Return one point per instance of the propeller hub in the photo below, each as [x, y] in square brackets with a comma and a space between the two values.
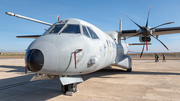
[145, 31]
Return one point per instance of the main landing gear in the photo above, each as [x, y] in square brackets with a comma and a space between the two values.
[129, 70]
[69, 89]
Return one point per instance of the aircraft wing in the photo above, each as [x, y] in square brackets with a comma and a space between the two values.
[29, 36]
[163, 31]
[157, 31]
[128, 33]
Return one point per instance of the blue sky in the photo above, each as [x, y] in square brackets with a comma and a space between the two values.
[105, 14]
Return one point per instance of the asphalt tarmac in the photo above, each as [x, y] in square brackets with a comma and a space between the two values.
[148, 81]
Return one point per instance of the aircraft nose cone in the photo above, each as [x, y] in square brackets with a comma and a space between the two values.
[34, 60]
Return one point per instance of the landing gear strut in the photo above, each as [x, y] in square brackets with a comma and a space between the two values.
[69, 88]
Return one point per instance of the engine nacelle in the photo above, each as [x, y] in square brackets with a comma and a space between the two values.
[143, 39]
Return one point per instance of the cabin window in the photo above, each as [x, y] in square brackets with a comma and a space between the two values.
[85, 32]
[93, 34]
[55, 29]
[75, 29]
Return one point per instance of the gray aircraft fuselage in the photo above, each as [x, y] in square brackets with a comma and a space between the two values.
[75, 47]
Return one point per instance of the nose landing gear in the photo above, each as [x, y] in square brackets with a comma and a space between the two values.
[69, 89]
[69, 84]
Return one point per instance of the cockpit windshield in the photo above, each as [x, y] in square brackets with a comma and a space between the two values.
[55, 29]
[63, 28]
[75, 29]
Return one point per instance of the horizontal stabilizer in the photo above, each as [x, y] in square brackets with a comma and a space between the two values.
[139, 43]
[29, 36]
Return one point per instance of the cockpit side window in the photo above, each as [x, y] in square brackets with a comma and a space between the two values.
[93, 34]
[55, 29]
[85, 32]
[75, 29]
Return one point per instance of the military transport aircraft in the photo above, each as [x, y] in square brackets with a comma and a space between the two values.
[73, 47]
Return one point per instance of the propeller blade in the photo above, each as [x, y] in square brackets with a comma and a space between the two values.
[148, 17]
[134, 22]
[160, 42]
[58, 17]
[142, 50]
[161, 25]
[146, 46]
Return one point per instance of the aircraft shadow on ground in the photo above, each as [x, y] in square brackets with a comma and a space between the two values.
[110, 71]
[47, 89]
[15, 68]
[14, 88]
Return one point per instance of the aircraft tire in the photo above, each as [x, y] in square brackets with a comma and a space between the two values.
[64, 88]
[70, 87]
[129, 70]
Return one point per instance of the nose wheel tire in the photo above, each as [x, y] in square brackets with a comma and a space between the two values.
[129, 70]
[64, 88]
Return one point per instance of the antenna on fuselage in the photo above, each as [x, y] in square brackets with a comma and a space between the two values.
[120, 25]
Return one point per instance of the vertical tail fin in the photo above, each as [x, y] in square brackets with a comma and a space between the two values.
[120, 25]
[120, 30]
